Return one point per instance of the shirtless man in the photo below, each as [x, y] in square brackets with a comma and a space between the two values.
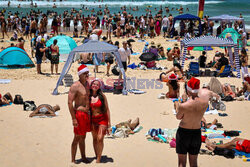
[79, 94]
[33, 27]
[188, 136]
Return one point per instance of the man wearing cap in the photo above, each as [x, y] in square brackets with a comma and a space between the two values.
[188, 136]
[79, 95]
[40, 49]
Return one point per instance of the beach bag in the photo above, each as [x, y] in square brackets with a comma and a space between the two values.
[219, 105]
[18, 99]
[115, 70]
[228, 98]
[150, 64]
[29, 106]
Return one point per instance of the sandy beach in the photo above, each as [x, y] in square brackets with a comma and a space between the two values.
[39, 142]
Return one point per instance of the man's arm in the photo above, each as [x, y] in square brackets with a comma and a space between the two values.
[71, 98]
[179, 110]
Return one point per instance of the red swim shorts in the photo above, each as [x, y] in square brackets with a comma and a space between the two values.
[84, 124]
[101, 119]
[243, 145]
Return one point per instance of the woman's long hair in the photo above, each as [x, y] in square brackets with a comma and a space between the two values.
[100, 96]
[174, 84]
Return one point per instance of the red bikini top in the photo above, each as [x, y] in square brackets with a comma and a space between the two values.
[96, 104]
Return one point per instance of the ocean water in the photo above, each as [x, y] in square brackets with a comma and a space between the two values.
[212, 7]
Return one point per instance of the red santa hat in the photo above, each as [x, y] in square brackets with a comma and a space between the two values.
[172, 77]
[193, 85]
[82, 69]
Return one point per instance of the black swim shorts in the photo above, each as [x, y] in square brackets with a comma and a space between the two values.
[7, 96]
[188, 141]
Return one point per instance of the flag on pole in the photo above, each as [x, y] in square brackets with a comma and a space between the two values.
[201, 8]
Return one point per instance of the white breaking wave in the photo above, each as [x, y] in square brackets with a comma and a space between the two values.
[78, 4]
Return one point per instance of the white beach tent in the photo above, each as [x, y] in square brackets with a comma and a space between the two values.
[227, 19]
[92, 46]
[213, 42]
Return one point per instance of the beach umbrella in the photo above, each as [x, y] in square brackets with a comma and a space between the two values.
[131, 40]
[148, 56]
[230, 34]
[65, 43]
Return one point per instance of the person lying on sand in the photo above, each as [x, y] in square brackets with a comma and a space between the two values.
[45, 110]
[6, 99]
[237, 143]
[127, 124]
[227, 90]
[213, 125]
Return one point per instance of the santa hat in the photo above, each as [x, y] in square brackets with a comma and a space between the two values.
[0, 96]
[82, 69]
[193, 85]
[172, 77]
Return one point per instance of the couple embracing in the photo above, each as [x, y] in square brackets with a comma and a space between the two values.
[90, 113]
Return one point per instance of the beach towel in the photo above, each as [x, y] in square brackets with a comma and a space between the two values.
[45, 116]
[172, 40]
[136, 91]
[213, 112]
[240, 153]
[135, 53]
[132, 66]
[6, 104]
[5, 81]
[141, 40]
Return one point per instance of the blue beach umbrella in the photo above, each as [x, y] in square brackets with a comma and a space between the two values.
[65, 43]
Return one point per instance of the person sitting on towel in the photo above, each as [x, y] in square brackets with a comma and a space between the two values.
[245, 90]
[45, 110]
[237, 143]
[6, 99]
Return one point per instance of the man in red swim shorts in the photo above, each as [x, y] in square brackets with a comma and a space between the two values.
[79, 94]
[237, 143]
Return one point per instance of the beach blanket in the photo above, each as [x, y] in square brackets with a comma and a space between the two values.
[135, 53]
[132, 66]
[6, 104]
[141, 40]
[240, 153]
[136, 91]
[172, 40]
[214, 112]
[45, 116]
[5, 81]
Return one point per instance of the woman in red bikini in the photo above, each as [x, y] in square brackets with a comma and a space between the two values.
[100, 117]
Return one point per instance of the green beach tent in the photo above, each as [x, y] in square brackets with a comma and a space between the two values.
[233, 34]
[65, 43]
[14, 57]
